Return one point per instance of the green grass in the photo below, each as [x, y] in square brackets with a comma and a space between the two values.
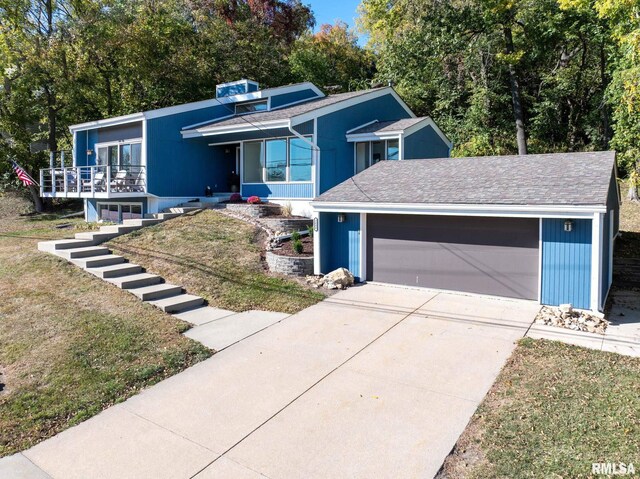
[70, 344]
[554, 410]
[216, 257]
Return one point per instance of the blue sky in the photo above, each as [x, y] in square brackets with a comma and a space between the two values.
[328, 11]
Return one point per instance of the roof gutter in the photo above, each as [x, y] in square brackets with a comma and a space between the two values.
[525, 211]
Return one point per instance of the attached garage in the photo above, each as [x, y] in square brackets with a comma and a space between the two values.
[496, 256]
[540, 227]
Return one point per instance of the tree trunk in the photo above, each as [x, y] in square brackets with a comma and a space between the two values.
[38, 203]
[521, 136]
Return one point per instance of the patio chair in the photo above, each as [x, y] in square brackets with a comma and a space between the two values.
[119, 182]
[98, 182]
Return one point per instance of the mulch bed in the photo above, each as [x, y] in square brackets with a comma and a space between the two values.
[287, 248]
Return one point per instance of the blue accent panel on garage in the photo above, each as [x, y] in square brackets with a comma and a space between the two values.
[604, 258]
[275, 190]
[92, 206]
[280, 100]
[336, 155]
[425, 143]
[177, 167]
[566, 263]
[340, 245]
[305, 128]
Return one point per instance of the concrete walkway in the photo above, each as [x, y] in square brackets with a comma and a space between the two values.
[376, 381]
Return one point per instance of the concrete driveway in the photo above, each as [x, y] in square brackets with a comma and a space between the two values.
[376, 381]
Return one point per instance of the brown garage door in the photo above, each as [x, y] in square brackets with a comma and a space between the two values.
[497, 256]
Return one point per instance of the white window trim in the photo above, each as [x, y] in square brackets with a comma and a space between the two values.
[264, 168]
[370, 159]
[143, 150]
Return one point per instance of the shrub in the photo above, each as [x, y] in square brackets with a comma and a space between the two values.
[286, 209]
[254, 200]
[295, 236]
[235, 198]
[297, 246]
[310, 231]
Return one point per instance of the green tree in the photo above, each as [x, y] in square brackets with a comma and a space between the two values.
[331, 58]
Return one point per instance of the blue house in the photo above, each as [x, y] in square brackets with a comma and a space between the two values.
[537, 227]
[286, 145]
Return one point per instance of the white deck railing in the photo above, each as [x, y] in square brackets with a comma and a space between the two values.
[85, 181]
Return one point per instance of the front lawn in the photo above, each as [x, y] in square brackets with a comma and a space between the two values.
[216, 257]
[70, 344]
[554, 410]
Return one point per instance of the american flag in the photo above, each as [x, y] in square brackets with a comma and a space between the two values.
[23, 175]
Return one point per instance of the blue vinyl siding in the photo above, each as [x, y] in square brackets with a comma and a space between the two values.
[340, 245]
[336, 154]
[92, 206]
[279, 100]
[566, 263]
[305, 128]
[178, 167]
[425, 143]
[80, 148]
[276, 190]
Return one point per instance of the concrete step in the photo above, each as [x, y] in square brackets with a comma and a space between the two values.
[116, 270]
[135, 280]
[156, 291]
[180, 209]
[96, 236]
[90, 251]
[165, 216]
[120, 229]
[98, 261]
[141, 222]
[56, 245]
[178, 303]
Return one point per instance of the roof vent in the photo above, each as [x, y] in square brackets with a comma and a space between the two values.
[236, 88]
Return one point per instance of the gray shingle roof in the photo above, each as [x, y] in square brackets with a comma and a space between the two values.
[548, 179]
[289, 112]
[382, 126]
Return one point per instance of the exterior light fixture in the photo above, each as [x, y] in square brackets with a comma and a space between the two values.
[315, 224]
[89, 152]
[341, 217]
[568, 226]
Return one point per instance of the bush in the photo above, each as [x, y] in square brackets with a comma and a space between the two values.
[297, 246]
[254, 200]
[310, 231]
[295, 236]
[235, 198]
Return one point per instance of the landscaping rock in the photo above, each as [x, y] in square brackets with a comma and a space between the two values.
[340, 278]
[565, 316]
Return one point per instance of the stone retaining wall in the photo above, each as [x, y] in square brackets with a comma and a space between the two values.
[253, 211]
[287, 225]
[291, 265]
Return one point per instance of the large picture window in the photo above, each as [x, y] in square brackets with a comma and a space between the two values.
[276, 161]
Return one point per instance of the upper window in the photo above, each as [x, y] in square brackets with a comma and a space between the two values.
[251, 106]
[277, 160]
[120, 156]
[371, 152]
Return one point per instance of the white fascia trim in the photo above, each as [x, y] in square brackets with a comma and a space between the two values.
[240, 128]
[521, 211]
[362, 126]
[172, 110]
[366, 96]
[118, 120]
[387, 135]
[428, 121]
